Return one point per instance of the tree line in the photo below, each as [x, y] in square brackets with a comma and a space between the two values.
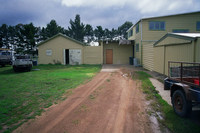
[23, 38]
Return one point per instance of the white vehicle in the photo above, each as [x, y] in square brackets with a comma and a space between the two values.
[5, 57]
[22, 62]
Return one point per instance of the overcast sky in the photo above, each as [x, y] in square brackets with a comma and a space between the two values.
[107, 13]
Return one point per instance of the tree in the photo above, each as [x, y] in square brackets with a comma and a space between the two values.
[30, 34]
[77, 29]
[89, 32]
[99, 32]
[123, 28]
[4, 36]
[19, 39]
[52, 29]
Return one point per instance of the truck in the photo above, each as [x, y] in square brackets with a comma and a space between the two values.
[5, 57]
[183, 81]
[22, 63]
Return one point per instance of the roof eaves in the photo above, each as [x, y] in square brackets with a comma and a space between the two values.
[171, 15]
[133, 25]
[60, 34]
[176, 36]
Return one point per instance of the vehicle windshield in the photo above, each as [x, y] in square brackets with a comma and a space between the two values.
[22, 57]
[5, 53]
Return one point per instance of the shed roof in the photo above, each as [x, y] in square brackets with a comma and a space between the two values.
[184, 36]
[60, 34]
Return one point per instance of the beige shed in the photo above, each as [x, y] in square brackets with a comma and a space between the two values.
[61, 49]
[176, 47]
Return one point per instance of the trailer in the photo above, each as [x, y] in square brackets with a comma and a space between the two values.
[183, 81]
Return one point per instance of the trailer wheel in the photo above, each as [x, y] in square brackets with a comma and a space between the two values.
[181, 106]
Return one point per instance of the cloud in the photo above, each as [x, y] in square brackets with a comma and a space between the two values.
[107, 13]
[143, 6]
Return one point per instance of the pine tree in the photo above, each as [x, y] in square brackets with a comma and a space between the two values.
[77, 29]
[89, 33]
[123, 28]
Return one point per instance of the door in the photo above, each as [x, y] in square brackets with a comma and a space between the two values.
[109, 56]
[75, 56]
[66, 56]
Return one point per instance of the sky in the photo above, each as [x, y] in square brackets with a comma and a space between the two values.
[106, 13]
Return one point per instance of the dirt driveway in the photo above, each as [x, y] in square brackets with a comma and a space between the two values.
[110, 103]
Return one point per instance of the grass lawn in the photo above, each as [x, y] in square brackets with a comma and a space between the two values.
[175, 123]
[24, 95]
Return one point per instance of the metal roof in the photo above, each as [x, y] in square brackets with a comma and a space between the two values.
[185, 36]
[193, 35]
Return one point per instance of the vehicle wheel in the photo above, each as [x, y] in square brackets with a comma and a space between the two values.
[181, 106]
[15, 69]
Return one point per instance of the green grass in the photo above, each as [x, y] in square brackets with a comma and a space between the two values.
[175, 123]
[24, 95]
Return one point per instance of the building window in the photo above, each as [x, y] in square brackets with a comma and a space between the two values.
[130, 33]
[137, 47]
[156, 25]
[198, 25]
[180, 30]
[49, 52]
[137, 28]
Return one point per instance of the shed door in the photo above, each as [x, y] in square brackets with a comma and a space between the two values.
[74, 56]
[109, 56]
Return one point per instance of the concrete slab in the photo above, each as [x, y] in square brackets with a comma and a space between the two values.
[165, 94]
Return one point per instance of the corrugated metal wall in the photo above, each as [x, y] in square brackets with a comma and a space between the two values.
[176, 52]
[148, 56]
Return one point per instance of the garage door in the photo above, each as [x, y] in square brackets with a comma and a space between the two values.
[109, 56]
[148, 56]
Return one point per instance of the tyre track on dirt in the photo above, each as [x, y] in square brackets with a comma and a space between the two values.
[116, 106]
[56, 115]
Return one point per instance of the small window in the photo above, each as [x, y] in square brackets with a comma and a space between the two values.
[156, 25]
[137, 47]
[49, 52]
[137, 28]
[198, 25]
[180, 31]
[130, 33]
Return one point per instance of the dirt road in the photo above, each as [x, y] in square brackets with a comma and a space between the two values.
[110, 103]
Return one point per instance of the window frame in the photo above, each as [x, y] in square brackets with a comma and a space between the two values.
[181, 29]
[161, 25]
[198, 27]
[137, 28]
[137, 47]
[130, 33]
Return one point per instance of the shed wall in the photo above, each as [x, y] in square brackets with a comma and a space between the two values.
[175, 52]
[121, 53]
[93, 55]
[57, 46]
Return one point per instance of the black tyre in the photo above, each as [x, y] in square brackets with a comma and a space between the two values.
[181, 106]
[29, 69]
[15, 69]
